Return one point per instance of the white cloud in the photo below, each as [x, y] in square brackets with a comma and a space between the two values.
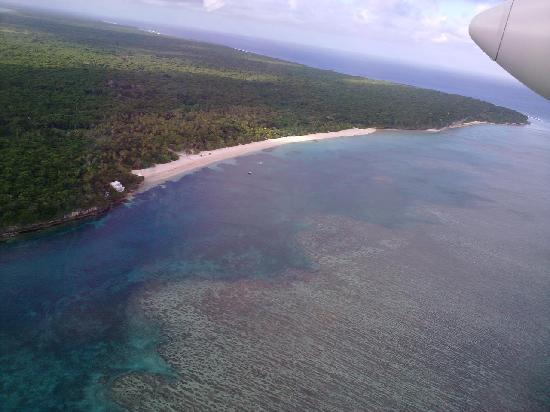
[406, 19]
[442, 38]
[482, 7]
[435, 21]
[211, 5]
[363, 16]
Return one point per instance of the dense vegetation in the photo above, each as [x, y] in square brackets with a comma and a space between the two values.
[82, 104]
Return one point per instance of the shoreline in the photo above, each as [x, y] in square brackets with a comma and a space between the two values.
[73, 217]
[458, 126]
[161, 173]
[187, 163]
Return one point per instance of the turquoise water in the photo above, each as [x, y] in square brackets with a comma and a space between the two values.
[69, 324]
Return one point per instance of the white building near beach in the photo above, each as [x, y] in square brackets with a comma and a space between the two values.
[117, 186]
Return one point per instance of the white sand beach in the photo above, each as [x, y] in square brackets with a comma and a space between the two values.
[458, 126]
[187, 163]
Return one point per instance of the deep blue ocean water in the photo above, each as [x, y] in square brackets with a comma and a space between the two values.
[68, 324]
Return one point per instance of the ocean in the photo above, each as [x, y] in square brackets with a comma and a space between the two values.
[404, 270]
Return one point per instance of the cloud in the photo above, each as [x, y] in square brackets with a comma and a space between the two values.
[482, 7]
[409, 19]
[211, 5]
[435, 21]
[363, 16]
[442, 38]
[418, 19]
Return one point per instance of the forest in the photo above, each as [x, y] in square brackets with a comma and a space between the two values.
[83, 103]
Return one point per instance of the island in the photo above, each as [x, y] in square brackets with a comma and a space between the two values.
[83, 104]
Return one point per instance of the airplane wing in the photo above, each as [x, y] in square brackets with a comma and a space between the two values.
[516, 34]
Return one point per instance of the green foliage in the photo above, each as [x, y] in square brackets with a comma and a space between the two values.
[82, 104]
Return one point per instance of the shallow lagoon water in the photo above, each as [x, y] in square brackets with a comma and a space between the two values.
[70, 324]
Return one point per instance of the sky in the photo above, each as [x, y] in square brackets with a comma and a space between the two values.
[421, 32]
